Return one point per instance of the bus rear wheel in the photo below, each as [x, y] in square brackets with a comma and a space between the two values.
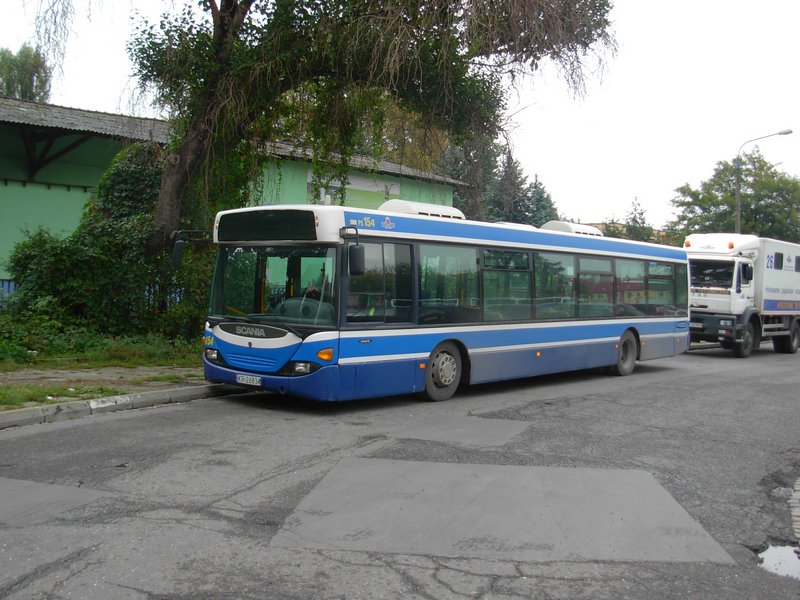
[443, 372]
[627, 350]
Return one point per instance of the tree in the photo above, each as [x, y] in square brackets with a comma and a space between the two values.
[320, 74]
[475, 163]
[24, 75]
[239, 72]
[636, 226]
[495, 187]
[517, 201]
[408, 141]
[769, 201]
[543, 209]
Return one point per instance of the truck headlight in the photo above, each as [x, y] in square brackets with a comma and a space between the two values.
[725, 323]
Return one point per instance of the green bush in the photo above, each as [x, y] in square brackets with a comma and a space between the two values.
[11, 351]
[98, 282]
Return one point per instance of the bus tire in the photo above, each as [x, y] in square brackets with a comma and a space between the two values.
[627, 351]
[443, 372]
[744, 348]
[788, 344]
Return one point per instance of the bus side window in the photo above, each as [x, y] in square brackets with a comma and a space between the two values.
[448, 284]
[554, 276]
[595, 287]
[383, 292]
[397, 268]
[660, 289]
[630, 293]
[365, 294]
[682, 288]
[506, 286]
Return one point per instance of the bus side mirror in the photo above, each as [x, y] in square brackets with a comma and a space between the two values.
[177, 253]
[356, 259]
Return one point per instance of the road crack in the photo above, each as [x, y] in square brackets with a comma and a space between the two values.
[44, 570]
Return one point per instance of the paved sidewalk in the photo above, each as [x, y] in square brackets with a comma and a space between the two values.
[138, 387]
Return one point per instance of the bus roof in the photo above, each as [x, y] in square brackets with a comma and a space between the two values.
[397, 205]
[578, 228]
[412, 226]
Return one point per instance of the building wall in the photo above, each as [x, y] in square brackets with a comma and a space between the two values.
[28, 207]
[61, 190]
[290, 182]
[58, 201]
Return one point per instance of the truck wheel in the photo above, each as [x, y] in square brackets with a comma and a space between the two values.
[788, 344]
[744, 348]
[443, 373]
[627, 349]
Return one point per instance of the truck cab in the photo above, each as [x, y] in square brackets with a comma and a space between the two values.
[721, 294]
[742, 291]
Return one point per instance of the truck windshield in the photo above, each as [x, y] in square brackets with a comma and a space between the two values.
[712, 273]
[285, 285]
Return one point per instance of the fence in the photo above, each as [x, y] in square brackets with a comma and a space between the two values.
[7, 287]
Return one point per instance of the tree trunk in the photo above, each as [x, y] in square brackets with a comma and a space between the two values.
[180, 167]
[182, 164]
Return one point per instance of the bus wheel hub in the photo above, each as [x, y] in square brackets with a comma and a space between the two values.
[444, 372]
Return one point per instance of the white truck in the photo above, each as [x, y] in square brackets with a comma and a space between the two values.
[744, 289]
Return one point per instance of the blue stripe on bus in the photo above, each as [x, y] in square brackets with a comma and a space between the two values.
[418, 342]
[478, 232]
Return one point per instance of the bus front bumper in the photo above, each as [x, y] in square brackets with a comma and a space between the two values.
[322, 384]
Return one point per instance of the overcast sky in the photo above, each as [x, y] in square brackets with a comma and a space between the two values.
[691, 82]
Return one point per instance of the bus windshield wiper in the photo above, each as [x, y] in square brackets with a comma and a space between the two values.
[217, 319]
[261, 318]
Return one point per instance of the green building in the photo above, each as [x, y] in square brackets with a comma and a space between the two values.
[52, 157]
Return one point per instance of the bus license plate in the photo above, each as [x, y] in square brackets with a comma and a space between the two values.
[248, 379]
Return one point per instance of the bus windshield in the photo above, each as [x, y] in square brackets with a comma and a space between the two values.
[711, 273]
[281, 284]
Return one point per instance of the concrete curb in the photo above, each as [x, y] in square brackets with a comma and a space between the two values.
[66, 411]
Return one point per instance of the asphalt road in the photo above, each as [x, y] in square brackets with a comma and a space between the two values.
[664, 484]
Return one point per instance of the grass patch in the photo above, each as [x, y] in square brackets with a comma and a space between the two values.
[132, 352]
[139, 351]
[15, 396]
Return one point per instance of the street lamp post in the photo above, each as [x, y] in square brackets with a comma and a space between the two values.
[739, 175]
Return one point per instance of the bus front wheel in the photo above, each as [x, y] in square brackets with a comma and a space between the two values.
[627, 349]
[443, 372]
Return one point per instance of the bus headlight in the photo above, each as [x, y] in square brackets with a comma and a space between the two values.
[212, 354]
[301, 368]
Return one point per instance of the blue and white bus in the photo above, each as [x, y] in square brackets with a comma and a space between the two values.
[338, 303]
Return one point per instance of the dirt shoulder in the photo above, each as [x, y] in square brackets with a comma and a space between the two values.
[123, 379]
